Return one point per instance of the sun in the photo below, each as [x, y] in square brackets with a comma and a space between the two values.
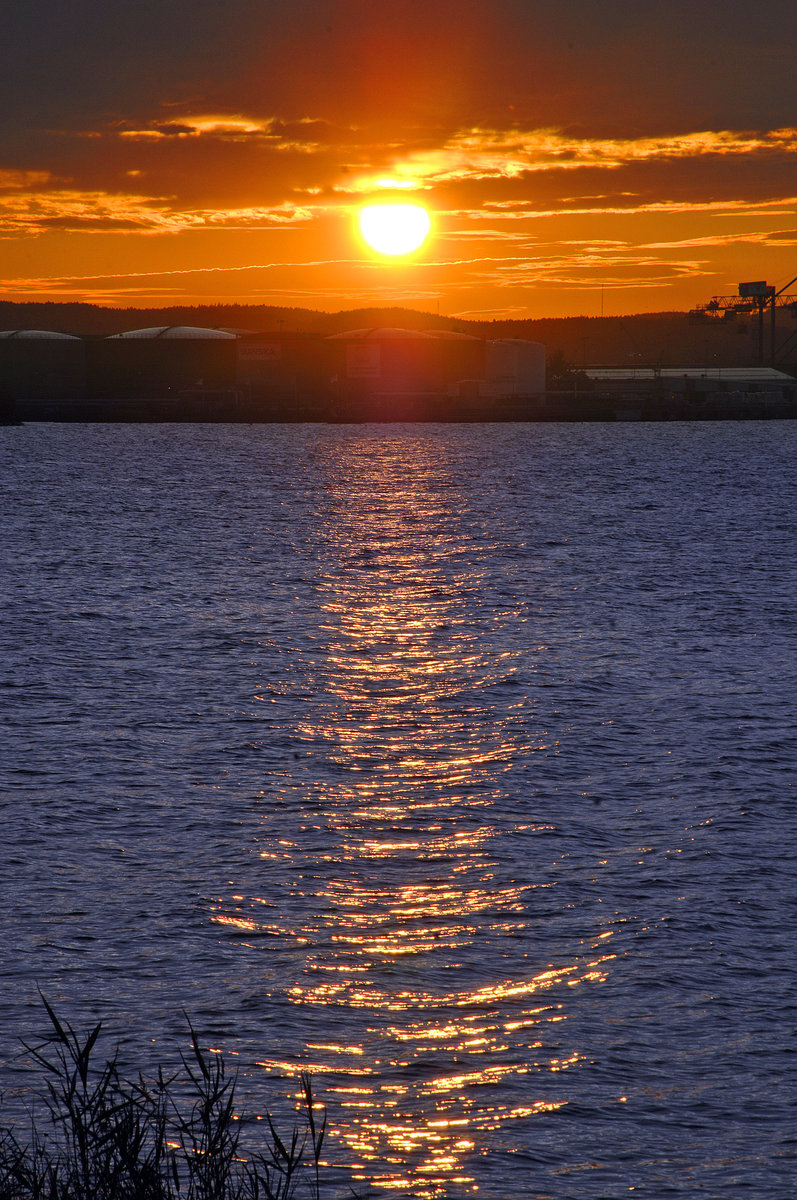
[394, 228]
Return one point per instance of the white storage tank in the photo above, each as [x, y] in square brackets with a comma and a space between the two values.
[180, 333]
[41, 364]
[514, 367]
[160, 362]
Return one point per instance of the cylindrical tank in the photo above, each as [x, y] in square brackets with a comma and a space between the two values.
[515, 367]
[161, 362]
[40, 364]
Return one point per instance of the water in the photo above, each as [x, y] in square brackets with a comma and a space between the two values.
[455, 763]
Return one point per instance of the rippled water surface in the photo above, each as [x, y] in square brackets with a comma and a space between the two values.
[455, 763]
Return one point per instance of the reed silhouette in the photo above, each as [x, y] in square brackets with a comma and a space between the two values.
[97, 1135]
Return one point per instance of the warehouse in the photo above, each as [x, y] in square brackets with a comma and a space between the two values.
[645, 381]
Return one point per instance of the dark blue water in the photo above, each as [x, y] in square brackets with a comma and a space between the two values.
[455, 763]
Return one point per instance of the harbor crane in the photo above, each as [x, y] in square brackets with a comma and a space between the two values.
[755, 297]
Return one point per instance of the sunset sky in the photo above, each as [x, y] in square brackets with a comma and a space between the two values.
[575, 156]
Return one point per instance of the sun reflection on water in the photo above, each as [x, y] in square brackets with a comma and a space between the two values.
[399, 929]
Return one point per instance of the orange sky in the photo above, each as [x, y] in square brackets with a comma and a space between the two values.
[576, 157]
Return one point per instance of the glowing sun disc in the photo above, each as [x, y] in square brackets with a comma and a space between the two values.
[394, 228]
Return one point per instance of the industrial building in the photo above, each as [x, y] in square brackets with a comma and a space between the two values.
[401, 374]
[695, 392]
[282, 364]
[644, 381]
[187, 373]
[403, 361]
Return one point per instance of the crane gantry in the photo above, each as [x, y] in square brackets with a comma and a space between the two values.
[755, 297]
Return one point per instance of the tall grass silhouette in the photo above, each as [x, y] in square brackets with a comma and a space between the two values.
[97, 1135]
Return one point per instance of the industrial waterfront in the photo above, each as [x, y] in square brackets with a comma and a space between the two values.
[375, 374]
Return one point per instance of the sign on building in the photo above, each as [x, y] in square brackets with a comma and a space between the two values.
[259, 352]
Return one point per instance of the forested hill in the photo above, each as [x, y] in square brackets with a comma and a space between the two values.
[665, 339]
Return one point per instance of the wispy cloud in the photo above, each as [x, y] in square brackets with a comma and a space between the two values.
[783, 237]
[168, 273]
[306, 135]
[626, 205]
[480, 154]
[28, 212]
[219, 126]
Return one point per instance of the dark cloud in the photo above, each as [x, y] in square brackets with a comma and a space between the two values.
[617, 65]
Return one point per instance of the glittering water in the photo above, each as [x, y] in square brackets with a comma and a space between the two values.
[455, 763]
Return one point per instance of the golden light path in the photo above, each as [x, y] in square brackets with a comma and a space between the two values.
[394, 229]
[432, 1027]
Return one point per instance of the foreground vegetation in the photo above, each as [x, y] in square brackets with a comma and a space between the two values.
[96, 1135]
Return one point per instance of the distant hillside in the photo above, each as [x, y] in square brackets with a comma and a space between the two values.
[664, 339]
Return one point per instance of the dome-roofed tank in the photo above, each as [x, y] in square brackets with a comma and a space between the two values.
[379, 334]
[452, 335]
[41, 364]
[161, 362]
[37, 335]
[176, 333]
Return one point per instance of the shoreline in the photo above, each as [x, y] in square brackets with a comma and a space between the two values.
[232, 407]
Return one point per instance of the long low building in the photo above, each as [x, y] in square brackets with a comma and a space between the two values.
[645, 381]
